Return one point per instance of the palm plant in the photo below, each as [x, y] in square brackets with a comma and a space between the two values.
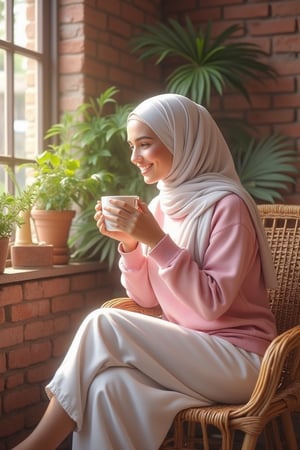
[266, 167]
[207, 64]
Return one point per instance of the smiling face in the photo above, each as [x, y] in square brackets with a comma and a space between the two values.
[148, 153]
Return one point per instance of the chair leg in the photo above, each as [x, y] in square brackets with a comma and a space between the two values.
[288, 431]
[249, 442]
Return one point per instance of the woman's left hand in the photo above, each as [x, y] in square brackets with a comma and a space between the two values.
[133, 224]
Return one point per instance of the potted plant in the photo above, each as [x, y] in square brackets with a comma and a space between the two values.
[59, 189]
[200, 66]
[96, 133]
[10, 208]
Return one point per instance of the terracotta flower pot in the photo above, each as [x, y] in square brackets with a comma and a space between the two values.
[53, 227]
[3, 253]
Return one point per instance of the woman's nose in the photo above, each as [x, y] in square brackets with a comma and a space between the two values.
[135, 156]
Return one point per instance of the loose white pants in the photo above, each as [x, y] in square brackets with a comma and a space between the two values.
[126, 375]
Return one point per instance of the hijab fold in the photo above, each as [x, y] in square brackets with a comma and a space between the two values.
[202, 173]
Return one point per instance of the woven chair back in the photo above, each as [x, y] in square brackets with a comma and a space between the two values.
[282, 226]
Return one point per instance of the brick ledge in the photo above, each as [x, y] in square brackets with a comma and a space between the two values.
[11, 275]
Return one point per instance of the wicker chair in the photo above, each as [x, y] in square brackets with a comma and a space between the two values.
[277, 392]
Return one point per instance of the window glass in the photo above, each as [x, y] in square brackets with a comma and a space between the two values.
[2, 21]
[2, 84]
[25, 58]
[24, 23]
[25, 107]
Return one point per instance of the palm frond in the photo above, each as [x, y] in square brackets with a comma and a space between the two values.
[266, 167]
[217, 63]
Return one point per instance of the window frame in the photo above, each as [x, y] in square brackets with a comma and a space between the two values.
[46, 56]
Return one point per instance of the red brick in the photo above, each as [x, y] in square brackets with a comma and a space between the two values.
[90, 48]
[179, 5]
[34, 414]
[38, 329]
[132, 12]
[71, 31]
[111, 6]
[119, 27]
[204, 15]
[70, 103]
[71, 83]
[286, 44]
[26, 356]
[71, 63]
[2, 315]
[72, 46]
[107, 54]
[96, 17]
[280, 85]
[71, 13]
[14, 380]
[46, 288]
[285, 8]
[83, 282]
[92, 65]
[10, 424]
[10, 294]
[28, 310]
[286, 66]
[237, 102]
[61, 345]
[61, 324]
[11, 336]
[67, 302]
[20, 398]
[41, 373]
[291, 129]
[286, 100]
[214, 3]
[2, 362]
[246, 11]
[272, 27]
[274, 116]
[19, 358]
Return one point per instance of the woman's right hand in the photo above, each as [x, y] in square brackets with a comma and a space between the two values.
[128, 242]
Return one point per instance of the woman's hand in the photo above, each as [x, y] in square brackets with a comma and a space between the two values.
[133, 224]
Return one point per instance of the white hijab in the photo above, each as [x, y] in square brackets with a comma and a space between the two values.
[202, 173]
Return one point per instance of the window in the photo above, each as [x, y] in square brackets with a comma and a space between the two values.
[27, 82]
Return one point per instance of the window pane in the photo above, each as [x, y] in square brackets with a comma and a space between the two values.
[24, 23]
[25, 107]
[2, 20]
[2, 180]
[2, 84]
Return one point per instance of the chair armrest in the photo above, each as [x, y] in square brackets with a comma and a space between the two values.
[284, 350]
[130, 305]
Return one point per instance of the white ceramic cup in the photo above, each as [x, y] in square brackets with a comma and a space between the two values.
[105, 200]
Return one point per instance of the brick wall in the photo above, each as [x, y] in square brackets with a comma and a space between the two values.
[274, 26]
[94, 50]
[95, 53]
[38, 318]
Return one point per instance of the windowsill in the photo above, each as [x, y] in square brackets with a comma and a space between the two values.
[11, 275]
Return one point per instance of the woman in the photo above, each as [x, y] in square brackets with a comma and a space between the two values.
[199, 251]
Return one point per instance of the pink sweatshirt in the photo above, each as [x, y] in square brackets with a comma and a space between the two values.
[225, 297]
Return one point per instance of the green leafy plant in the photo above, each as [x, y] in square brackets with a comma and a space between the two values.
[203, 66]
[57, 182]
[207, 64]
[95, 133]
[10, 208]
[266, 167]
